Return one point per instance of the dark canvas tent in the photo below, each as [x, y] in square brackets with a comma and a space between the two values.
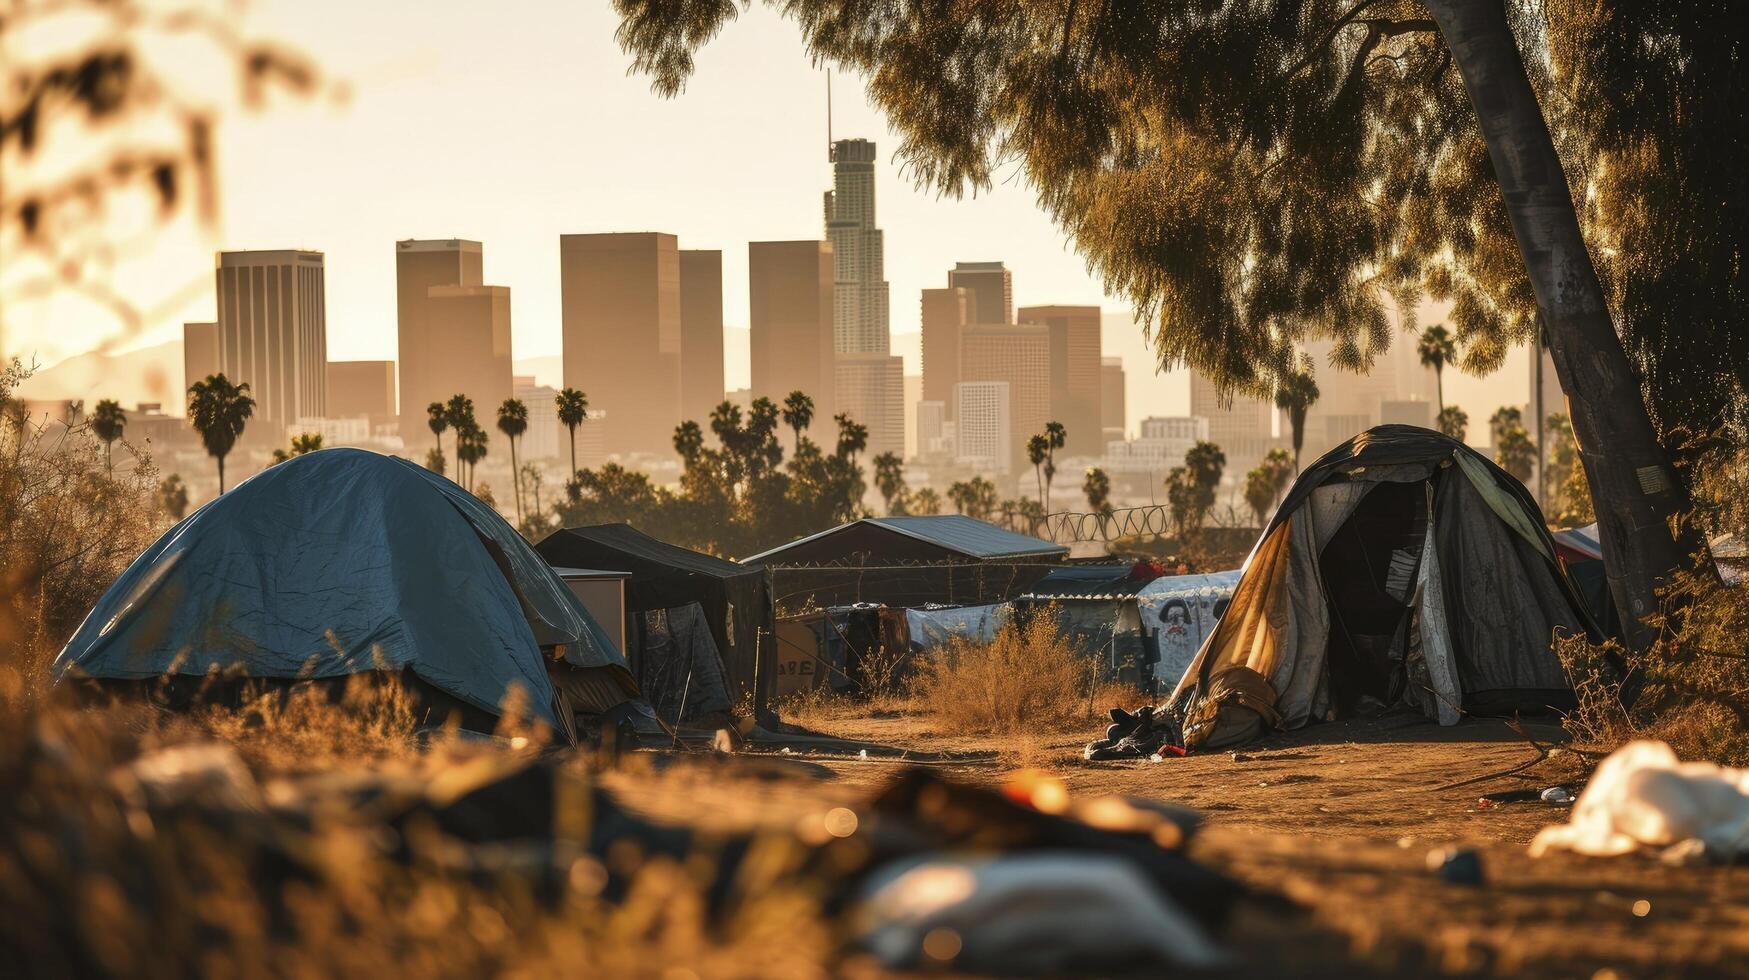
[337, 563]
[1402, 567]
[733, 597]
[948, 559]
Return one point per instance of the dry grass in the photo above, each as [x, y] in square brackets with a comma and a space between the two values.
[1027, 680]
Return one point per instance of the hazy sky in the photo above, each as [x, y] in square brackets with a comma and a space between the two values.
[515, 121]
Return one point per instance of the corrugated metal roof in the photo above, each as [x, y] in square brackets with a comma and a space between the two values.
[954, 532]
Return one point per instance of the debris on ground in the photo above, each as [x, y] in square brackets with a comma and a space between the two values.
[1642, 796]
[1138, 735]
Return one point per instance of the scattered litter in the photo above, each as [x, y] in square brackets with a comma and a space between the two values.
[862, 754]
[1458, 865]
[1642, 796]
[1034, 913]
[1147, 733]
[1241, 757]
[1559, 796]
[1553, 795]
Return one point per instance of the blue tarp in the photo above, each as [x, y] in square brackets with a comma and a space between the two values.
[339, 562]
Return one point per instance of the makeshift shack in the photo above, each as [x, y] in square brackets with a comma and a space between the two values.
[1401, 568]
[852, 649]
[337, 563]
[734, 615]
[1181, 611]
[1096, 614]
[946, 559]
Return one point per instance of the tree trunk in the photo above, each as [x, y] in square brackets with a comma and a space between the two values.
[516, 480]
[1439, 385]
[221, 460]
[1638, 498]
[573, 450]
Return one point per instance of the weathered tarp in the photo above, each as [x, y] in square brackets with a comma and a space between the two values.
[339, 562]
[930, 628]
[1180, 611]
[679, 669]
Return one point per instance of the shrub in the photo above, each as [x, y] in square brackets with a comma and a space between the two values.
[1027, 679]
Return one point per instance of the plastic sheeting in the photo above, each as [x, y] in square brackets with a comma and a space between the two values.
[930, 628]
[339, 562]
[1642, 797]
[1180, 611]
[678, 667]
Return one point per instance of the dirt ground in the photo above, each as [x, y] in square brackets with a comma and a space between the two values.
[1340, 820]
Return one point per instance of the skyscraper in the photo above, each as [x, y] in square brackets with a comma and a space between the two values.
[364, 388]
[1075, 373]
[990, 290]
[273, 331]
[1112, 412]
[945, 314]
[870, 388]
[470, 326]
[859, 286]
[790, 311]
[420, 265]
[621, 301]
[701, 333]
[1019, 355]
[984, 434]
[1241, 425]
[200, 352]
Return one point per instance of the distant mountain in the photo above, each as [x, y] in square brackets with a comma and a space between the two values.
[150, 374]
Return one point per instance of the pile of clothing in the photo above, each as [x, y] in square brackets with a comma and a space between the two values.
[1151, 730]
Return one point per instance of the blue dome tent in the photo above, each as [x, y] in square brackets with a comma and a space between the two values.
[337, 563]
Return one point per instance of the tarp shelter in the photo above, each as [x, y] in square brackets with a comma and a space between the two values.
[1097, 615]
[1401, 567]
[947, 559]
[336, 563]
[845, 648]
[934, 627]
[732, 596]
[1180, 611]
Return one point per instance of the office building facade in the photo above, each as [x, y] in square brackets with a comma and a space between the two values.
[790, 313]
[200, 352]
[1112, 412]
[859, 287]
[870, 388]
[471, 325]
[989, 290]
[1076, 375]
[273, 331]
[701, 333]
[1020, 356]
[421, 264]
[944, 313]
[362, 389]
[984, 430]
[622, 342]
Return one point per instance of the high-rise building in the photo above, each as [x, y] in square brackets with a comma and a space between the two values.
[870, 388]
[1406, 412]
[1243, 426]
[1020, 356]
[471, 326]
[621, 314]
[420, 265]
[1350, 403]
[544, 438]
[362, 388]
[945, 313]
[1111, 398]
[273, 331]
[790, 313]
[984, 432]
[859, 287]
[1076, 377]
[701, 333]
[1163, 443]
[989, 289]
[933, 438]
[200, 352]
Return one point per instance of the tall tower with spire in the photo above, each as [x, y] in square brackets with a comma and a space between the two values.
[860, 324]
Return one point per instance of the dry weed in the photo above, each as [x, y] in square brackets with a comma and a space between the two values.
[1026, 680]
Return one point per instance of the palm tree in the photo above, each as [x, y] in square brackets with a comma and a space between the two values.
[889, 478]
[1437, 348]
[1504, 420]
[573, 408]
[1260, 491]
[437, 421]
[108, 422]
[926, 501]
[1453, 421]
[798, 413]
[1037, 449]
[470, 449]
[688, 442]
[513, 422]
[218, 410]
[459, 413]
[1097, 486]
[1516, 453]
[852, 436]
[1297, 393]
[303, 442]
[1057, 437]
